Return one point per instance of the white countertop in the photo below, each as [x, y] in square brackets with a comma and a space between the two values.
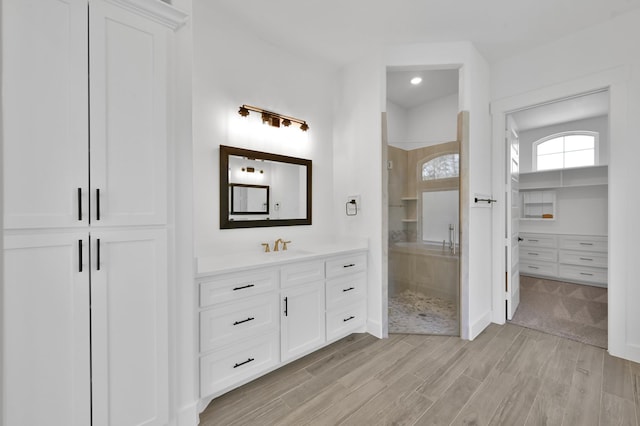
[240, 261]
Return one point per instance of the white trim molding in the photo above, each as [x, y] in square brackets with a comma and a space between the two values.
[155, 10]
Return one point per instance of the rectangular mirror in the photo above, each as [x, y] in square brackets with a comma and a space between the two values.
[260, 189]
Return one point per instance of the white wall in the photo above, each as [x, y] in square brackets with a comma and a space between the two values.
[428, 124]
[232, 67]
[599, 54]
[594, 124]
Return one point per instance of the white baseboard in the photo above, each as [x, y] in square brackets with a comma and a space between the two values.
[188, 416]
[478, 326]
[375, 328]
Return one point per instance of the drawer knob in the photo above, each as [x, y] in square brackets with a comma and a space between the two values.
[243, 287]
[348, 289]
[243, 321]
[349, 265]
[348, 319]
[244, 362]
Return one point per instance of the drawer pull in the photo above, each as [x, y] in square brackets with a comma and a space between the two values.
[533, 241]
[586, 244]
[243, 321]
[586, 273]
[586, 258]
[344, 290]
[533, 254]
[244, 286]
[244, 362]
[533, 267]
[349, 265]
[348, 319]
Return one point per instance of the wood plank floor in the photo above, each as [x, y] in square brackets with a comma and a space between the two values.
[508, 375]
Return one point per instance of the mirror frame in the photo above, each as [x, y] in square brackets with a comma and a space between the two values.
[232, 186]
[225, 223]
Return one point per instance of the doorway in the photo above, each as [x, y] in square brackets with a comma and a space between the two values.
[557, 219]
[423, 168]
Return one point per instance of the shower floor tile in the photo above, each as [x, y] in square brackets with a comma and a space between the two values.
[411, 312]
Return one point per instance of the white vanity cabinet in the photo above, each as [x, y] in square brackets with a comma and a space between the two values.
[253, 321]
[86, 115]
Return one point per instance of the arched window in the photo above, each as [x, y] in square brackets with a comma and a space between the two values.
[441, 167]
[566, 150]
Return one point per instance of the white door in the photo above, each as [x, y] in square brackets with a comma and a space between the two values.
[44, 49]
[128, 117]
[129, 322]
[302, 323]
[513, 219]
[46, 330]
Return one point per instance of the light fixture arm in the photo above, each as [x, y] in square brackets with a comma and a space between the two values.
[274, 119]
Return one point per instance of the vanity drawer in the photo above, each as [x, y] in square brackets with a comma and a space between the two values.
[538, 240]
[346, 290]
[238, 320]
[342, 321]
[346, 265]
[597, 260]
[584, 273]
[235, 286]
[227, 367]
[545, 269]
[581, 242]
[301, 273]
[543, 255]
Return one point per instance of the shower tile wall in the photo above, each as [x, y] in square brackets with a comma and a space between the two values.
[398, 230]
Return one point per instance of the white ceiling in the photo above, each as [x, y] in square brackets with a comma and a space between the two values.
[435, 84]
[339, 31]
[563, 111]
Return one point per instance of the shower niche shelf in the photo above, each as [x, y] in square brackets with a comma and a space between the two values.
[410, 209]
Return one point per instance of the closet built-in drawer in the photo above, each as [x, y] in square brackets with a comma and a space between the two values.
[226, 367]
[597, 260]
[538, 254]
[346, 265]
[581, 242]
[545, 269]
[235, 286]
[345, 290]
[301, 273]
[584, 273]
[226, 323]
[345, 320]
[538, 240]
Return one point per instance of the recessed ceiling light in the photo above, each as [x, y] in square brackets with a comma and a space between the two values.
[416, 80]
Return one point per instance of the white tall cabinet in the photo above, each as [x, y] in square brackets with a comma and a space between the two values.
[85, 211]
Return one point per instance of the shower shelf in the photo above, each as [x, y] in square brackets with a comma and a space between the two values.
[409, 198]
[410, 220]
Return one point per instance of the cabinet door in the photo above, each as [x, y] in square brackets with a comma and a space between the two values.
[303, 324]
[128, 64]
[129, 328]
[45, 108]
[46, 330]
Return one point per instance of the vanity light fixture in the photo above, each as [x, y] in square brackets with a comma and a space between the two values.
[272, 118]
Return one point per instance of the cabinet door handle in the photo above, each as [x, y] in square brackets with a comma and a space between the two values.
[534, 254]
[586, 258]
[349, 265]
[243, 287]
[533, 267]
[80, 205]
[586, 244]
[79, 255]
[587, 274]
[97, 204]
[348, 289]
[243, 321]
[286, 306]
[98, 254]
[238, 364]
[348, 319]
